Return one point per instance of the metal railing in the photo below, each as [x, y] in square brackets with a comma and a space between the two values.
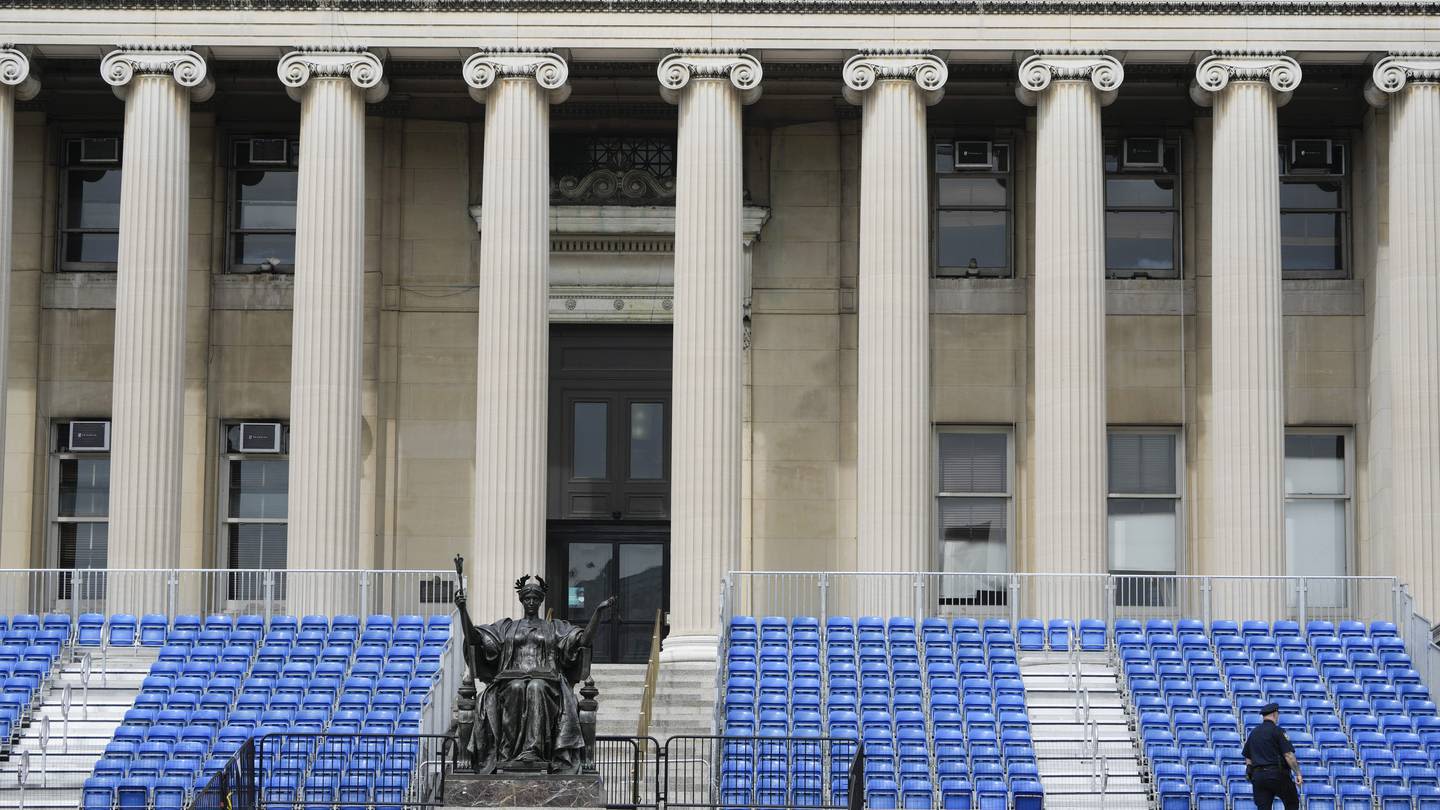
[234, 787]
[629, 769]
[366, 770]
[756, 772]
[652, 678]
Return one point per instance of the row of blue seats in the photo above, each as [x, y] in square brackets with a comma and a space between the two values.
[1175, 794]
[155, 630]
[1184, 626]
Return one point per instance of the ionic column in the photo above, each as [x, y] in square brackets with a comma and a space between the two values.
[1410, 83]
[893, 452]
[1246, 436]
[16, 83]
[332, 87]
[512, 371]
[708, 366]
[147, 415]
[1069, 448]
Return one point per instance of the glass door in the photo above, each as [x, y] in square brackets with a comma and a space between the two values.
[631, 570]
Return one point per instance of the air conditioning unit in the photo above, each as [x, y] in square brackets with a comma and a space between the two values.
[973, 155]
[1143, 153]
[259, 437]
[89, 437]
[1311, 154]
[269, 151]
[99, 150]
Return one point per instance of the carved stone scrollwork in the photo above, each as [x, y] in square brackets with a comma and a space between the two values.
[548, 69]
[1216, 71]
[927, 70]
[15, 72]
[359, 65]
[1039, 70]
[1394, 72]
[608, 185]
[678, 69]
[186, 66]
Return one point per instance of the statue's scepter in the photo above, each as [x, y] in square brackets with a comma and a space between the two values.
[463, 715]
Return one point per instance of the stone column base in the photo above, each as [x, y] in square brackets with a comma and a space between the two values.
[690, 649]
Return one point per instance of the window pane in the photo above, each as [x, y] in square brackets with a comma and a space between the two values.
[259, 488]
[84, 545]
[92, 247]
[84, 487]
[974, 534]
[974, 191]
[258, 248]
[1315, 537]
[587, 580]
[589, 451]
[1142, 464]
[1140, 192]
[1316, 194]
[973, 462]
[1310, 242]
[1314, 465]
[945, 157]
[258, 545]
[642, 581]
[1141, 242]
[1142, 535]
[92, 198]
[973, 240]
[265, 199]
[647, 441]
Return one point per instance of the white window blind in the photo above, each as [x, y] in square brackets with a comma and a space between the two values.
[1144, 503]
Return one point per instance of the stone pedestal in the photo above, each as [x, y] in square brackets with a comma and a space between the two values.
[523, 790]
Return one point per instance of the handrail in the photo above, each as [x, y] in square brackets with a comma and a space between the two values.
[652, 678]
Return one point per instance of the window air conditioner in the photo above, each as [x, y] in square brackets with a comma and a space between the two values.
[1143, 153]
[259, 437]
[99, 150]
[92, 437]
[1311, 154]
[269, 151]
[973, 155]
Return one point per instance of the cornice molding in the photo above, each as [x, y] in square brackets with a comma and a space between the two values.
[359, 65]
[1397, 71]
[927, 70]
[187, 67]
[547, 68]
[15, 72]
[1216, 71]
[742, 70]
[629, 220]
[1043, 67]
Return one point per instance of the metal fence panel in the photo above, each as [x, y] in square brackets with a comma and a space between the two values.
[234, 787]
[629, 769]
[389, 770]
[757, 772]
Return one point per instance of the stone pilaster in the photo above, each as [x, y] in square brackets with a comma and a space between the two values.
[16, 83]
[710, 89]
[1410, 84]
[893, 88]
[1247, 407]
[332, 86]
[1070, 525]
[511, 407]
[157, 85]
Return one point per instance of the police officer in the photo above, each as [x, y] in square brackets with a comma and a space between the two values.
[1269, 761]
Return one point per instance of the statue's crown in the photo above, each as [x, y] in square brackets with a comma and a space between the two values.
[531, 581]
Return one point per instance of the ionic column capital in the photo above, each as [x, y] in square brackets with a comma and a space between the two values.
[546, 68]
[927, 70]
[1043, 67]
[740, 68]
[1393, 73]
[1216, 71]
[362, 67]
[186, 66]
[15, 72]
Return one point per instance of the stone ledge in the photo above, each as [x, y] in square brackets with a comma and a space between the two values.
[523, 790]
[77, 290]
[252, 291]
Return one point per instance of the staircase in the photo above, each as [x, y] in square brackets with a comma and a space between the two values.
[684, 700]
[1084, 746]
[57, 770]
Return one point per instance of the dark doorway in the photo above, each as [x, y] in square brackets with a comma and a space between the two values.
[609, 496]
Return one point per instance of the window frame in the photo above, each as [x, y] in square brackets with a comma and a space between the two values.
[1177, 208]
[62, 200]
[998, 138]
[1345, 211]
[233, 231]
[222, 492]
[1347, 436]
[937, 545]
[1178, 433]
[54, 519]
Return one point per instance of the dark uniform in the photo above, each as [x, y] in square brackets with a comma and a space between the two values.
[1269, 772]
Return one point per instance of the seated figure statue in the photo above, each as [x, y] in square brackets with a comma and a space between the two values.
[527, 718]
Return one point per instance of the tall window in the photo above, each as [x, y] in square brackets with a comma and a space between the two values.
[972, 208]
[1314, 208]
[1142, 208]
[1317, 511]
[1144, 502]
[89, 203]
[256, 486]
[973, 512]
[81, 494]
[262, 204]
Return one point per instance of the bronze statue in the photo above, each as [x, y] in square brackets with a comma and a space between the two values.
[527, 719]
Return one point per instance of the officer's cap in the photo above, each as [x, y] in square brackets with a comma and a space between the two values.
[1269, 708]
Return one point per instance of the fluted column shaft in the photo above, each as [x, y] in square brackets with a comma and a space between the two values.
[511, 409]
[1069, 445]
[1247, 430]
[708, 360]
[15, 83]
[328, 327]
[149, 366]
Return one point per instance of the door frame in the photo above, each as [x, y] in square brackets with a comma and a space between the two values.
[559, 535]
